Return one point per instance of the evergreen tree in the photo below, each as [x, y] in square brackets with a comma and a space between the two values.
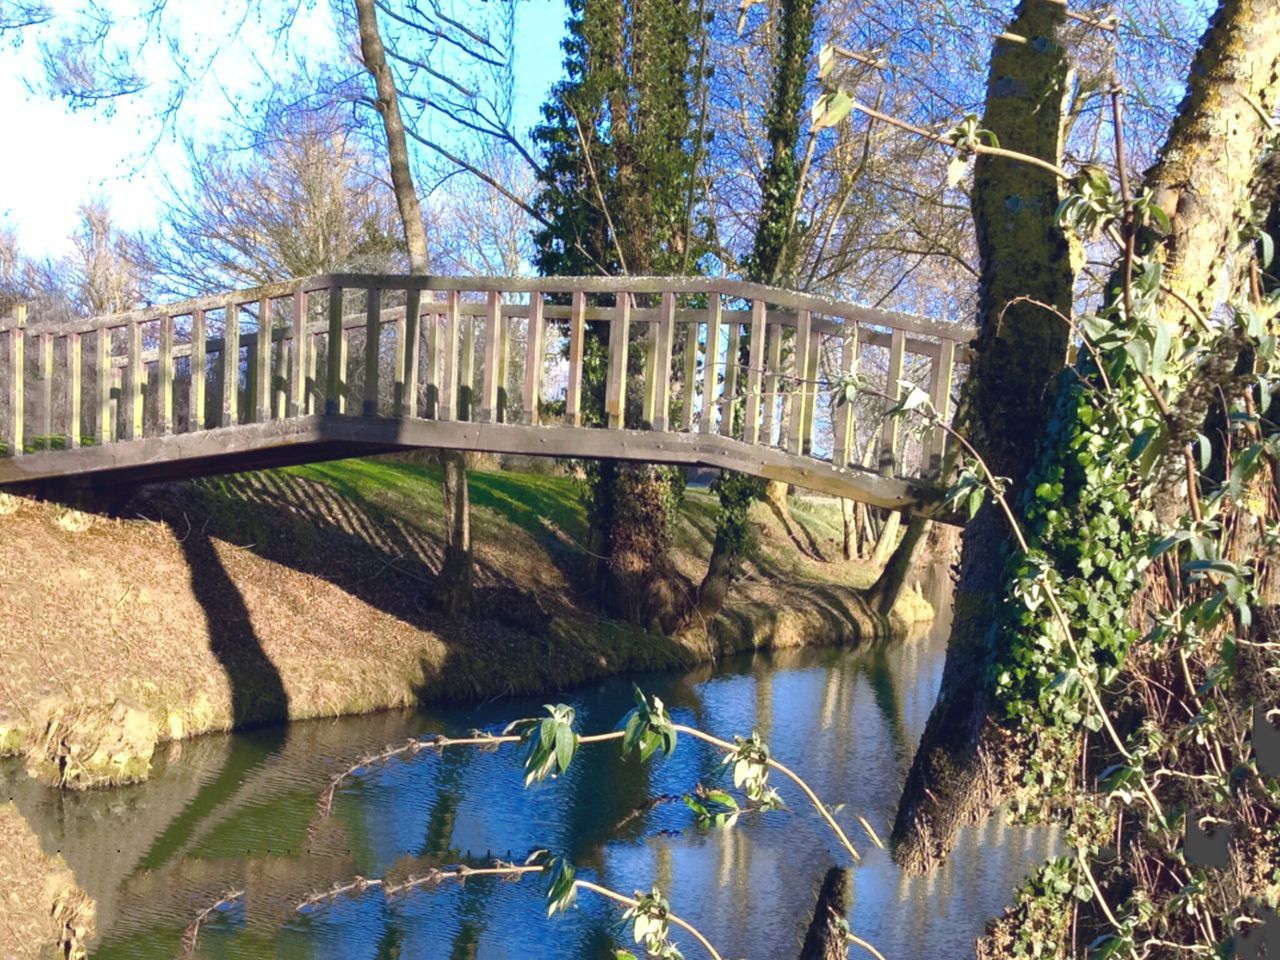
[619, 193]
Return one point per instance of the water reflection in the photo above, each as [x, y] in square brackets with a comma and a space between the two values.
[237, 811]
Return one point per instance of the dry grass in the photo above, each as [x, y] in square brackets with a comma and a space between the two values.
[307, 593]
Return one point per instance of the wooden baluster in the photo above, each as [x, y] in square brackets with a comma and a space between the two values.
[164, 378]
[312, 394]
[195, 419]
[811, 391]
[773, 367]
[17, 371]
[889, 432]
[689, 387]
[845, 419]
[104, 431]
[577, 342]
[136, 384]
[344, 345]
[262, 364]
[300, 360]
[401, 358]
[412, 335]
[662, 362]
[755, 375]
[533, 360]
[44, 373]
[940, 396]
[504, 359]
[710, 371]
[615, 404]
[800, 365]
[73, 356]
[786, 389]
[730, 380]
[449, 356]
[372, 350]
[492, 358]
[336, 361]
[280, 381]
[231, 365]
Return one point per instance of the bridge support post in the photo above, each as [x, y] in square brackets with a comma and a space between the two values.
[104, 429]
[136, 384]
[803, 397]
[298, 360]
[410, 335]
[45, 375]
[729, 397]
[493, 359]
[661, 379]
[164, 379]
[336, 358]
[890, 430]
[773, 367]
[449, 357]
[264, 347]
[372, 350]
[845, 421]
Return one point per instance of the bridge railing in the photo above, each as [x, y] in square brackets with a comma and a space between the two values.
[667, 354]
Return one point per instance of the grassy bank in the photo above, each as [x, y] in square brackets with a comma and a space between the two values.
[307, 592]
[45, 915]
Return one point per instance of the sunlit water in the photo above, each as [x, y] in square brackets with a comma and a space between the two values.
[236, 812]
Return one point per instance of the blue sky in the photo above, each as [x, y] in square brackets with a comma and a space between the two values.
[62, 157]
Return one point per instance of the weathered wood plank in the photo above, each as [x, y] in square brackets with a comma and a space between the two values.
[280, 381]
[711, 364]
[164, 377]
[198, 384]
[372, 350]
[890, 431]
[312, 393]
[533, 359]
[344, 346]
[812, 391]
[336, 359]
[755, 373]
[433, 363]
[231, 366]
[467, 406]
[74, 370]
[16, 398]
[299, 361]
[666, 332]
[615, 404]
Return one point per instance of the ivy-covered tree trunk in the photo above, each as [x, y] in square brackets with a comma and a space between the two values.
[620, 144]
[772, 261]
[1020, 348]
[456, 572]
[1087, 525]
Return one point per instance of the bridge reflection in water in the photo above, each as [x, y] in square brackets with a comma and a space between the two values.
[697, 371]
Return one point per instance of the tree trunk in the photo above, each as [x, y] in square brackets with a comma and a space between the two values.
[849, 529]
[1202, 180]
[454, 587]
[887, 540]
[893, 578]
[825, 938]
[1019, 351]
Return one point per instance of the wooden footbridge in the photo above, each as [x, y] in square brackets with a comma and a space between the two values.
[695, 371]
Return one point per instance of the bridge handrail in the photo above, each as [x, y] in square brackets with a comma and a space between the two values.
[740, 289]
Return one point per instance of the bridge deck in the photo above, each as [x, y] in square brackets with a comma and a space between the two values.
[696, 371]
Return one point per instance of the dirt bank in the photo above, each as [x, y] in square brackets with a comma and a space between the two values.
[305, 593]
